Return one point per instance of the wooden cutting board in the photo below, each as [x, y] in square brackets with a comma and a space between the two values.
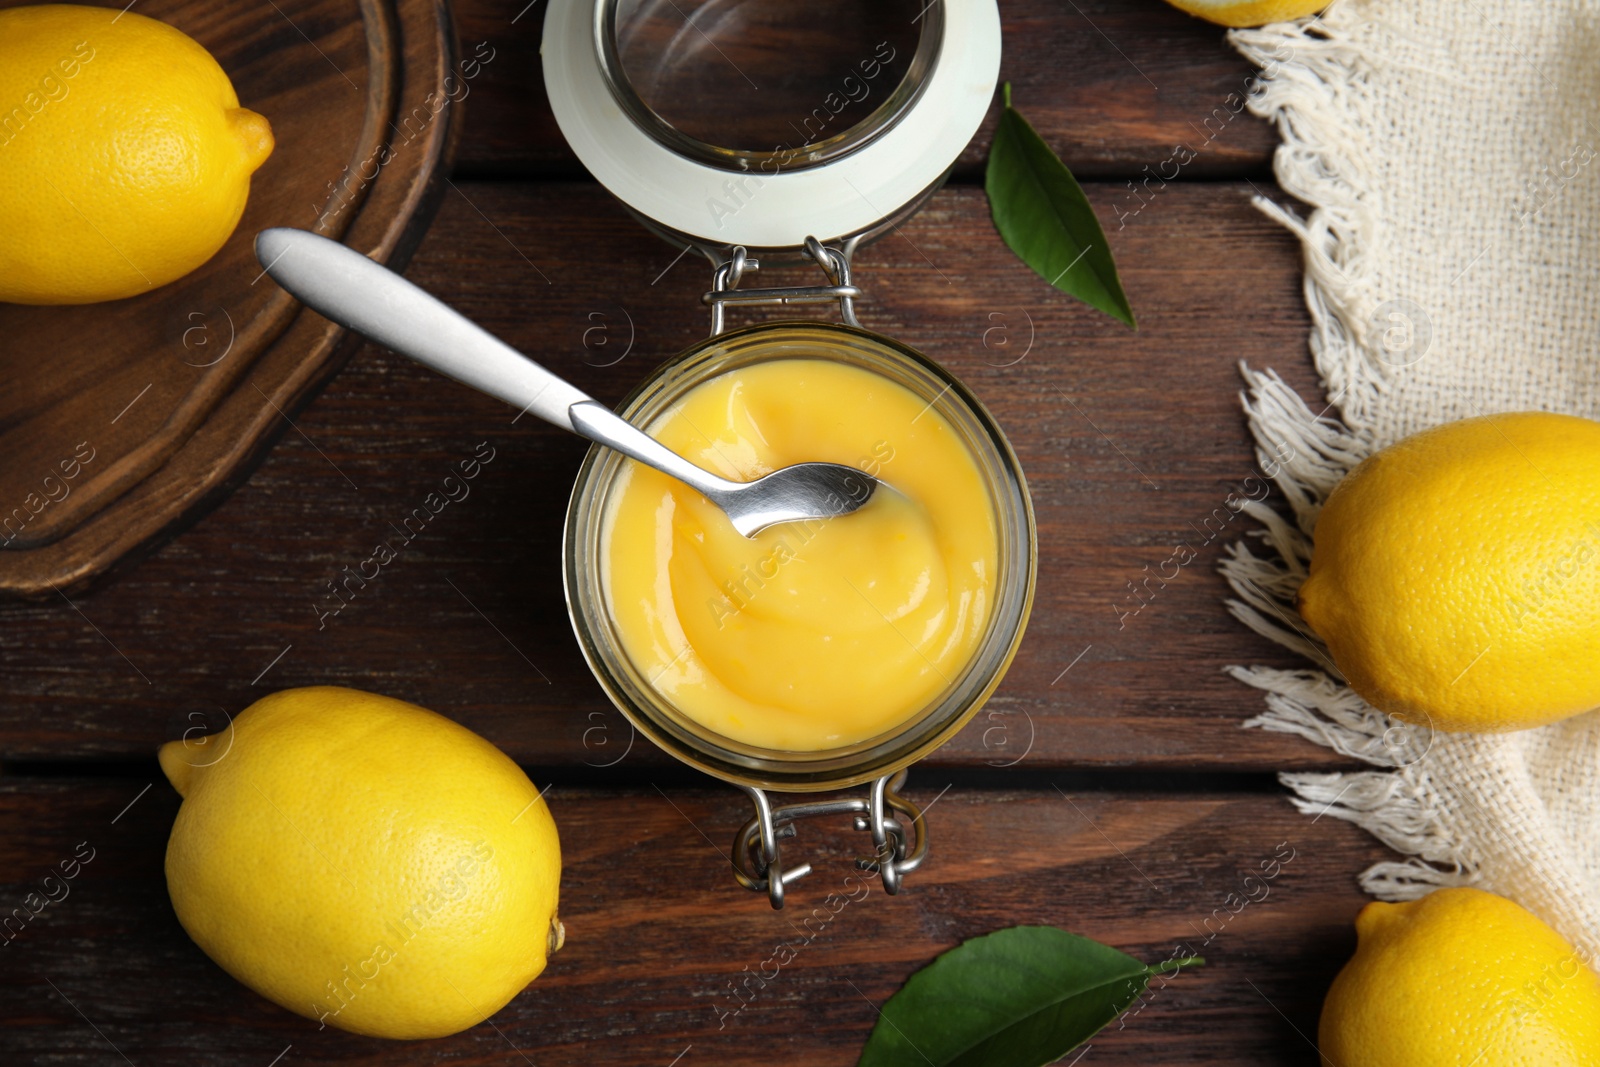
[120, 422]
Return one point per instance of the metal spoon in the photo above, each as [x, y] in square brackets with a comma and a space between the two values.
[352, 290]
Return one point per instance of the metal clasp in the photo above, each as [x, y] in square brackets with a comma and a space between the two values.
[758, 860]
[835, 263]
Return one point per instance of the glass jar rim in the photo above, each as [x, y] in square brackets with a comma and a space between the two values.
[847, 195]
[916, 736]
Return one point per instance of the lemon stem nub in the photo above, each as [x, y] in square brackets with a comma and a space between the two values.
[558, 935]
[175, 766]
[254, 133]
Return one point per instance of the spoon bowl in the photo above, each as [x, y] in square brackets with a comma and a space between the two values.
[779, 496]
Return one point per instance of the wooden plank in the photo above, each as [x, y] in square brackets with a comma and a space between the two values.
[660, 936]
[1113, 85]
[1131, 440]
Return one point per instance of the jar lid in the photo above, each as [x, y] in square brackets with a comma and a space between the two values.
[831, 185]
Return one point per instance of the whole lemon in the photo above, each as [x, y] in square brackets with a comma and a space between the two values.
[125, 158]
[1456, 574]
[1249, 12]
[1460, 977]
[363, 862]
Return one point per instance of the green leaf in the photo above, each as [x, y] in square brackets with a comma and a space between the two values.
[1020, 997]
[1043, 216]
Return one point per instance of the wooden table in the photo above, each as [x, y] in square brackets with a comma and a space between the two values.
[1140, 802]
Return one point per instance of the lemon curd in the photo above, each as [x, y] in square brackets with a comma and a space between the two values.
[813, 635]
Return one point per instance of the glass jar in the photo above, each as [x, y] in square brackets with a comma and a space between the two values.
[874, 759]
[658, 101]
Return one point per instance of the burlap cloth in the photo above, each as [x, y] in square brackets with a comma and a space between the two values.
[1446, 149]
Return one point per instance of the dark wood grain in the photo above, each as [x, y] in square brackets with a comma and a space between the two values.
[659, 933]
[1113, 85]
[159, 402]
[1131, 441]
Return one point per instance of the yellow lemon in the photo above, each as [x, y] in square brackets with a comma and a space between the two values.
[1461, 977]
[1249, 12]
[1456, 574]
[363, 862]
[125, 158]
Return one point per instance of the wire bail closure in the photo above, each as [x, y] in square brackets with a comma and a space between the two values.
[835, 263]
[758, 860]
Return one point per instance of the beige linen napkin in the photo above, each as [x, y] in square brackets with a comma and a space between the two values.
[1448, 152]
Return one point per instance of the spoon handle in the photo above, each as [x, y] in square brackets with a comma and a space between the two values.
[352, 290]
[600, 424]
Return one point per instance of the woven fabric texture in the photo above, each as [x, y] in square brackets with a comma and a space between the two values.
[1447, 152]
